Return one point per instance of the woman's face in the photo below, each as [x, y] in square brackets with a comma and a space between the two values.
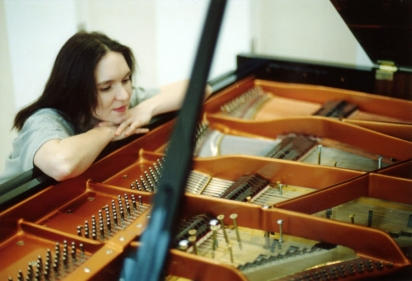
[114, 88]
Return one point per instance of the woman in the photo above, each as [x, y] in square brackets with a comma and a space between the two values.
[87, 102]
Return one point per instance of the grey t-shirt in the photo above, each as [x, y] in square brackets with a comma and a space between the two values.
[44, 125]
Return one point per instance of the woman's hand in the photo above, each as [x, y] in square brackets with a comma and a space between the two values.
[138, 117]
[169, 99]
[121, 135]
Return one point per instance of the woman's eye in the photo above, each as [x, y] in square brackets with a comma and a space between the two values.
[126, 80]
[105, 89]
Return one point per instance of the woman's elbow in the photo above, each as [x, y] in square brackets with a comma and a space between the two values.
[61, 173]
[62, 169]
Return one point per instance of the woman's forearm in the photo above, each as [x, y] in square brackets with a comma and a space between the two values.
[67, 158]
[170, 98]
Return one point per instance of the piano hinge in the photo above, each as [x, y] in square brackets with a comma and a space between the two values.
[385, 70]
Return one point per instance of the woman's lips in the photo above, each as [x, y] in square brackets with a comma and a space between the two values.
[120, 109]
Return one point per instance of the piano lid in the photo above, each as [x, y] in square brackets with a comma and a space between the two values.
[382, 27]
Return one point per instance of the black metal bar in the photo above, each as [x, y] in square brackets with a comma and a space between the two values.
[150, 261]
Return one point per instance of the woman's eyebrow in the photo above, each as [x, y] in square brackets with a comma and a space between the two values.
[128, 73]
[104, 82]
[110, 81]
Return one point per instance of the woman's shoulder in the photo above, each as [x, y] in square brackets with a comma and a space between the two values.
[46, 112]
[47, 117]
[146, 93]
[140, 94]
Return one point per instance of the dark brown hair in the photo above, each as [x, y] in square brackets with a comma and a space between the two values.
[71, 88]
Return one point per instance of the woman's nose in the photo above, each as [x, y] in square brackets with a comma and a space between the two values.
[122, 93]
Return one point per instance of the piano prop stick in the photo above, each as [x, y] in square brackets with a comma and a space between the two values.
[151, 257]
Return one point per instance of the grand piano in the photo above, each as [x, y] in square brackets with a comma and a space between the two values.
[301, 171]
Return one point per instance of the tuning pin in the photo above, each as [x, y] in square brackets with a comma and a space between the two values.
[81, 249]
[319, 153]
[128, 209]
[192, 232]
[79, 230]
[109, 226]
[192, 240]
[220, 218]
[214, 239]
[39, 263]
[213, 226]
[20, 276]
[230, 252]
[29, 272]
[370, 215]
[73, 251]
[379, 161]
[233, 217]
[86, 229]
[280, 223]
[183, 245]
[328, 213]
[154, 175]
[134, 204]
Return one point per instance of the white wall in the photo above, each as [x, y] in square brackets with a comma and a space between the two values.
[131, 22]
[180, 23]
[301, 29]
[164, 34]
[36, 31]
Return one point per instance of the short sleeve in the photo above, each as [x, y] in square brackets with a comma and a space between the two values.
[41, 127]
[141, 94]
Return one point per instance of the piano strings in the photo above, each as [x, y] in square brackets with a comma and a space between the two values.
[291, 147]
[256, 104]
[391, 217]
[249, 188]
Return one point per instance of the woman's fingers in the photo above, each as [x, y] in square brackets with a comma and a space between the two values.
[141, 131]
[128, 128]
[122, 127]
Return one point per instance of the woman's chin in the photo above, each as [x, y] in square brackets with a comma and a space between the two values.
[119, 120]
